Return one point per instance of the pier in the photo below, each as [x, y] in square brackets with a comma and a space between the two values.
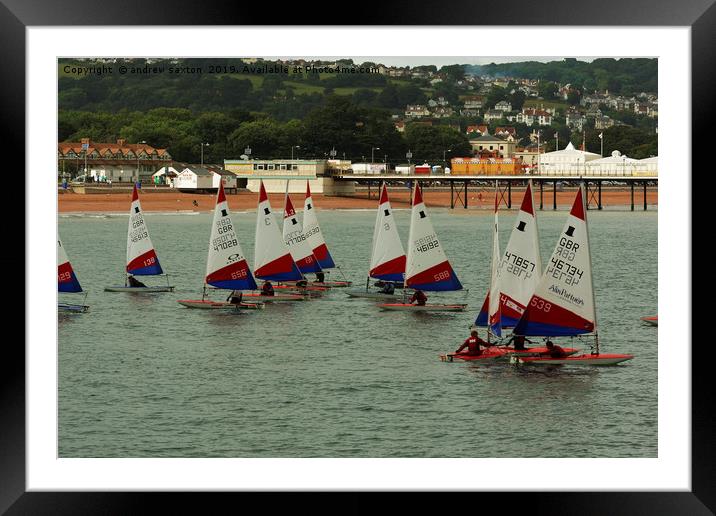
[459, 185]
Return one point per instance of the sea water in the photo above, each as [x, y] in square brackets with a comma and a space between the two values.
[142, 376]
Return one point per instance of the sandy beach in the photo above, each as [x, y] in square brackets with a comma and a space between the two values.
[399, 197]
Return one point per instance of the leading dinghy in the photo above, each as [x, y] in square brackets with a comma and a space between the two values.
[226, 265]
[142, 259]
[563, 302]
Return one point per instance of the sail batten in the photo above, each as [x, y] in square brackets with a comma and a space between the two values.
[427, 265]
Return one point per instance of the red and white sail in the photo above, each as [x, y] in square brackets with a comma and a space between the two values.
[427, 265]
[272, 258]
[521, 267]
[296, 240]
[141, 257]
[313, 233]
[226, 265]
[66, 278]
[387, 260]
[563, 301]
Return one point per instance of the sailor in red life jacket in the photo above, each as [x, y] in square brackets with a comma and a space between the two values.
[554, 351]
[420, 297]
[472, 343]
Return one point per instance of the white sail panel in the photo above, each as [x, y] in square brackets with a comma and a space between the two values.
[388, 256]
[312, 230]
[521, 266]
[296, 240]
[563, 302]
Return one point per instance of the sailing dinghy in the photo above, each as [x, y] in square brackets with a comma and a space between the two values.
[316, 242]
[387, 262]
[67, 282]
[272, 258]
[651, 320]
[563, 302]
[142, 259]
[226, 265]
[427, 266]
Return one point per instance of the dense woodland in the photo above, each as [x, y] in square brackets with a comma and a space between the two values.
[351, 113]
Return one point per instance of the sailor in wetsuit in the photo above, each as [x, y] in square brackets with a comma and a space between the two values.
[320, 277]
[388, 288]
[235, 297]
[554, 351]
[519, 341]
[134, 282]
[419, 297]
[472, 343]
[267, 289]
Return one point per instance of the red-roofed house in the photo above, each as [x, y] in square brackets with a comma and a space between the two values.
[118, 161]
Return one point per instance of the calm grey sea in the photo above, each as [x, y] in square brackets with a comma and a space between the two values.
[142, 376]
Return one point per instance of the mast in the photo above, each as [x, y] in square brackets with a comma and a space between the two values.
[591, 270]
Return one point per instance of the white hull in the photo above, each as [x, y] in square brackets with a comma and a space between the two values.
[595, 360]
[278, 298]
[219, 305]
[140, 290]
[71, 309]
[424, 308]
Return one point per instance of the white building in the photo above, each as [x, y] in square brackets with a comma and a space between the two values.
[202, 178]
[614, 165]
[566, 161]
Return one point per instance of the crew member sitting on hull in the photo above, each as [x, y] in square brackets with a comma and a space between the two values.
[320, 277]
[419, 297]
[235, 297]
[554, 351]
[519, 341]
[388, 288]
[472, 343]
[267, 289]
[134, 282]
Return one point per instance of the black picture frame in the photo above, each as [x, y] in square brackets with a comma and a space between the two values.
[17, 15]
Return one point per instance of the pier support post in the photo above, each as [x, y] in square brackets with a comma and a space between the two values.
[554, 195]
[466, 195]
[452, 194]
[644, 195]
[632, 195]
[599, 200]
[541, 195]
[509, 194]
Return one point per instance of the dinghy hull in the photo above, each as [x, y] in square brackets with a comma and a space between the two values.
[486, 356]
[367, 294]
[651, 320]
[218, 305]
[276, 298]
[140, 290]
[72, 309]
[594, 360]
[405, 307]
